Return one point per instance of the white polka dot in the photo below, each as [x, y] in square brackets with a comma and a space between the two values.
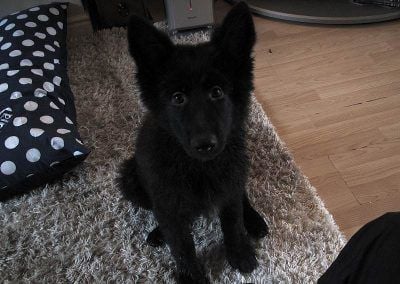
[3, 87]
[43, 18]
[68, 120]
[57, 143]
[1, 38]
[5, 46]
[48, 86]
[56, 43]
[54, 106]
[63, 131]
[56, 61]
[25, 62]
[9, 26]
[57, 80]
[78, 153]
[18, 121]
[48, 66]
[7, 168]
[28, 42]
[64, 6]
[3, 22]
[30, 175]
[40, 93]
[30, 106]
[15, 53]
[34, 9]
[60, 25]
[24, 81]
[36, 132]
[15, 95]
[51, 31]
[54, 163]
[38, 72]
[49, 47]
[79, 141]
[11, 142]
[22, 16]
[54, 11]
[38, 53]
[33, 155]
[61, 101]
[40, 35]
[12, 72]
[31, 24]
[4, 66]
[18, 33]
[47, 119]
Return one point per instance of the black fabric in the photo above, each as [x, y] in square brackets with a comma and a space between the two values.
[372, 255]
[39, 140]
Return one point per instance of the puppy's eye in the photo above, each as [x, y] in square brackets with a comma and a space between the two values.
[216, 93]
[178, 98]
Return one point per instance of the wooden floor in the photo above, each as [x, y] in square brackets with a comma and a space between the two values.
[333, 93]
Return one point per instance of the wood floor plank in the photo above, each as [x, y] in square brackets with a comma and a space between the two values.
[339, 145]
[391, 130]
[342, 129]
[362, 214]
[357, 110]
[322, 43]
[334, 191]
[359, 84]
[317, 167]
[325, 69]
[369, 153]
[379, 189]
[372, 171]
[351, 101]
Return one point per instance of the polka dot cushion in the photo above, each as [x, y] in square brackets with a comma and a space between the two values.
[39, 140]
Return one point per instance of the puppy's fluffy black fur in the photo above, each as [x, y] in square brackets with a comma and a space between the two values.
[190, 152]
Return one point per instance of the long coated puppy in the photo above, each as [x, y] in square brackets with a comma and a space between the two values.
[190, 154]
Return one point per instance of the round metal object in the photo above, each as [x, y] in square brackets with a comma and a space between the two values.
[322, 11]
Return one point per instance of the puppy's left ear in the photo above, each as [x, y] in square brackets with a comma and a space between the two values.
[236, 36]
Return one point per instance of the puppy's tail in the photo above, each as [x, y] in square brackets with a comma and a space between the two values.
[128, 182]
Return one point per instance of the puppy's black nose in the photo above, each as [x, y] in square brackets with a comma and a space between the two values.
[204, 144]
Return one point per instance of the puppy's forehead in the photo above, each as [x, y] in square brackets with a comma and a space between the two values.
[193, 57]
[191, 63]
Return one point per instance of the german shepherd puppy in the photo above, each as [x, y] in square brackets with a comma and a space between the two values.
[191, 150]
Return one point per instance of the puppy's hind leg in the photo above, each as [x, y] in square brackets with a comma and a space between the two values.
[130, 186]
[253, 221]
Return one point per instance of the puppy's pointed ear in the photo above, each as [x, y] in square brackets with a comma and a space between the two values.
[147, 45]
[236, 36]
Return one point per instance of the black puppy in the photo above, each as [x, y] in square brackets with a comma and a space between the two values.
[190, 152]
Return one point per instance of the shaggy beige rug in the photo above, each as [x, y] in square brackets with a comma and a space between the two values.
[80, 230]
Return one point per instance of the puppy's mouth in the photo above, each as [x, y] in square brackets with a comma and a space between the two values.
[206, 153]
[204, 157]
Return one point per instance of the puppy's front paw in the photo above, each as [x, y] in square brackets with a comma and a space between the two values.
[242, 258]
[195, 276]
[255, 225]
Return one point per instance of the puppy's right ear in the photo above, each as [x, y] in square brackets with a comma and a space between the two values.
[147, 45]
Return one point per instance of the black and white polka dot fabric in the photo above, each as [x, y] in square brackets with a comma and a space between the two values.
[39, 140]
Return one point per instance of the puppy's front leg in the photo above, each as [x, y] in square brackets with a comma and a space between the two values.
[240, 253]
[177, 234]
